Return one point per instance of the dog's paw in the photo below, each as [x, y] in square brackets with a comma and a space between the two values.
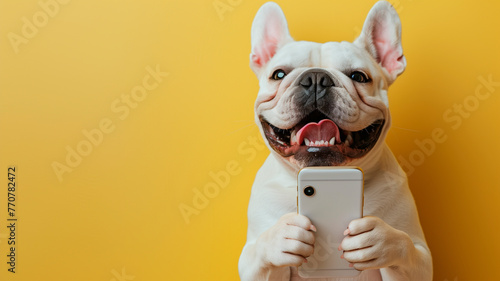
[371, 243]
[289, 242]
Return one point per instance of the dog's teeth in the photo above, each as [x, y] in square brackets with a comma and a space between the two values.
[317, 143]
[332, 141]
[306, 141]
[293, 136]
[349, 138]
[347, 143]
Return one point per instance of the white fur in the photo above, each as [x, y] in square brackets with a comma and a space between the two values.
[278, 239]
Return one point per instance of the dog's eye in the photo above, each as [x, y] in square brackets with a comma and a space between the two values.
[278, 74]
[360, 77]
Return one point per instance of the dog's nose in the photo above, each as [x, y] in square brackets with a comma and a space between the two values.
[315, 84]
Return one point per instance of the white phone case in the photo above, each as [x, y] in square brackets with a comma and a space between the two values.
[336, 201]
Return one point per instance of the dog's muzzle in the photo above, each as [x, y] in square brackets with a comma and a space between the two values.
[316, 139]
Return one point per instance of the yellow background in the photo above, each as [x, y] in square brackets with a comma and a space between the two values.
[116, 214]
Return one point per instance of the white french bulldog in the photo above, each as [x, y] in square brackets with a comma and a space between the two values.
[323, 105]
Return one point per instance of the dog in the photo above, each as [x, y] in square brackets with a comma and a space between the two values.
[327, 105]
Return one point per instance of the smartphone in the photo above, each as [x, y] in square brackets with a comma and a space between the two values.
[331, 197]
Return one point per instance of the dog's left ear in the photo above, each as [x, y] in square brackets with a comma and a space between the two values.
[381, 37]
[269, 33]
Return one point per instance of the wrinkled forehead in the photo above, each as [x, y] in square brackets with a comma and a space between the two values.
[336, 55]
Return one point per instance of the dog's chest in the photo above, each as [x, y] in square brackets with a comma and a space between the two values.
[276, 199]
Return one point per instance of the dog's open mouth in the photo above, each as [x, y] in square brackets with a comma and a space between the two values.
[318, 134]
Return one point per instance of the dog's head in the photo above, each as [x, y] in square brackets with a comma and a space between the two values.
[325, 104]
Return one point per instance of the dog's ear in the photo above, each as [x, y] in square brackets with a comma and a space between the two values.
[269, 33]
[381, 37]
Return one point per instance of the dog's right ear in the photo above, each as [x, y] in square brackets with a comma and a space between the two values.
[381, 37]
[269, 33]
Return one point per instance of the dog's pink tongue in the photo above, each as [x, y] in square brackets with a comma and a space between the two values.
[325, 130]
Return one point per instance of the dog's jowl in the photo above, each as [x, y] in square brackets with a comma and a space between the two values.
[326, 105]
